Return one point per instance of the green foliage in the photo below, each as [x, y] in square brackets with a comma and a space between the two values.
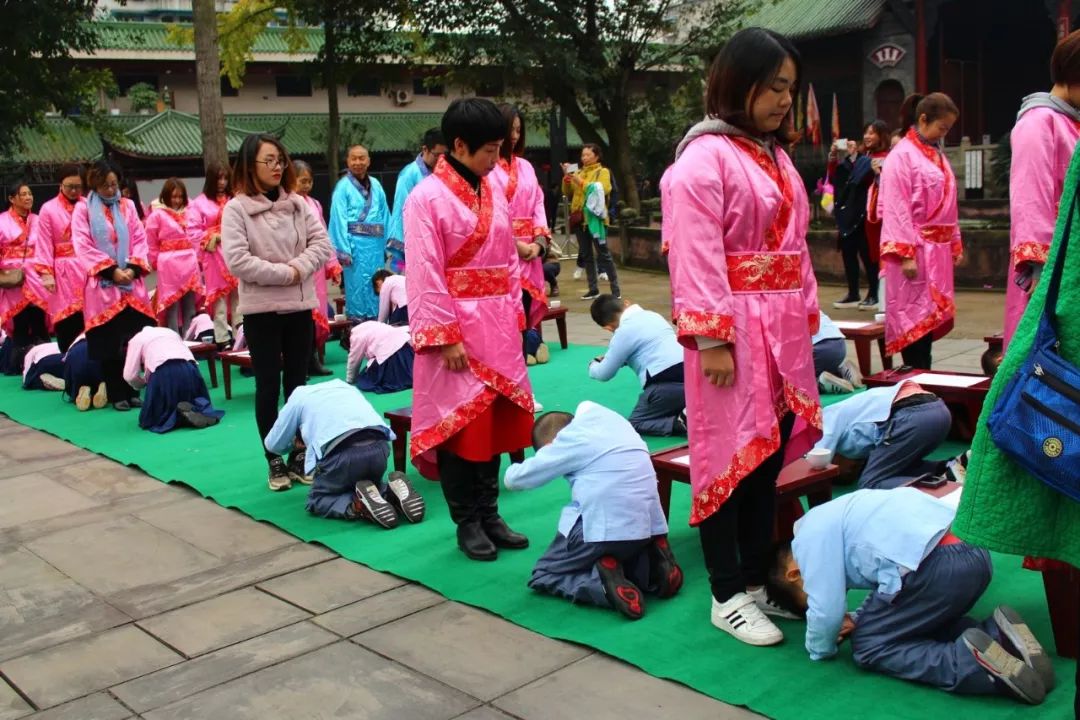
[143, 96]
[1001, 165]
[658, 124]
[37, 74]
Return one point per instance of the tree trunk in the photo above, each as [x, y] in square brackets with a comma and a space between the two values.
[333, 134]
[208, 79]
[622, 164]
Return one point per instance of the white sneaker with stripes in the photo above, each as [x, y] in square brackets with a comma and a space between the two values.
[741, 617]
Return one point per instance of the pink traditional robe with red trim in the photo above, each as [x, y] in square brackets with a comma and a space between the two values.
[173, 256]
[528, 218]
[54, 254]
[17, 252]
[462, 281]
[919, 221]
[203, 217]
[102, 304]
[1043, 141]
[330, 271]
[735, 227]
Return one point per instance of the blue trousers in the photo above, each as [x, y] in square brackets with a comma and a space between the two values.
[568, 567]
[336, 475]
[657, 407]
[909, 435]
[828, 354]
[915, 635]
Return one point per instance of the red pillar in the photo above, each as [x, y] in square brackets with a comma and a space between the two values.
[1064, 18]
[921, 71]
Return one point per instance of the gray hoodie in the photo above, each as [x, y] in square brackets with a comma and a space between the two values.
[716, 126]
[1046, 100]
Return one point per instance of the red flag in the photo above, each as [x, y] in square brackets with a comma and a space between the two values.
[813, 117]
[835, 118]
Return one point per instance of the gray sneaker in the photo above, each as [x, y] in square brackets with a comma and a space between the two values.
[278, 478]
[1020, 637]
[834, 385]
[369, 504]
[404, 497]
[1013, 674]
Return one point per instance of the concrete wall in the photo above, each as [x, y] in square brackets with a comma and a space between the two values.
[888, 30]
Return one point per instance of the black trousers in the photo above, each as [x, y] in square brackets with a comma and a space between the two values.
[918, 353]
[593, 255]
[280, 345]
[853, 248]
[737, 539]
[30, 327]
[68, 329]
[107, 343]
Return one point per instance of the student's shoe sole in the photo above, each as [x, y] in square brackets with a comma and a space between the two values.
[1023, 682]
[369, 504]
[543, 355]
[101, 398]
[82, 399]
[667, 576]
[1019, 635]
[194, 418]
[51, 382]
[279, 484]
[623, 595]
[404, 498]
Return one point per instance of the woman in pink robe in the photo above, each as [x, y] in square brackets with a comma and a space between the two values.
[920, 237]
[55, 263]
[172, 255]
[305, 180]
[110, 242]
[204, 229]
[744, 299]
[22, 308]
[471, 395]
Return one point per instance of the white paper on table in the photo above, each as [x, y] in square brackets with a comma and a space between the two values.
[682, 459]
[241, 353]
[192, 343]
[851, 324]
[953, 498]
[945, 380]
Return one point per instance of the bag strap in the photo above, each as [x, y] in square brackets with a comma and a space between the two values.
[1059, 264]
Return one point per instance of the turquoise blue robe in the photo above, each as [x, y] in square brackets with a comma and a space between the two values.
[359, 235]
[409, 177]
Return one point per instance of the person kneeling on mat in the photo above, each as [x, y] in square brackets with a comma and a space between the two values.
[347, 445]
[43, 368]
[923, 579]
[612, 541]
[176, 393]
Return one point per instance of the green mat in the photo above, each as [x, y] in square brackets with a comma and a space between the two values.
[674, 640]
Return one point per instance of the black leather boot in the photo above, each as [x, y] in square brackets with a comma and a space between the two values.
[457, 478]
[488, 501]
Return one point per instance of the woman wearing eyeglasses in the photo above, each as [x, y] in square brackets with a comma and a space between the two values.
[274, 244]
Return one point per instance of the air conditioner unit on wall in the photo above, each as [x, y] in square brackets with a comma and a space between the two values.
[402, 96]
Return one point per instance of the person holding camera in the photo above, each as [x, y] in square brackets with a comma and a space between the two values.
[590, 187]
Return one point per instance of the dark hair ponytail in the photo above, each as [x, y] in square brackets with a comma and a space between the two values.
[908, 115]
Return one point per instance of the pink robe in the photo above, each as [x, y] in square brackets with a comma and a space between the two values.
[54, 254]
[919, 220]
[173, 256]
[529, 220]
[105, 303]
[1043, 141]
[17, 252]
[463, 285]
[330, 271]
[735, 228]
[203, 220]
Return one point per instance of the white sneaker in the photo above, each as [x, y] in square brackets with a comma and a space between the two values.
[768, 606]
[51, 382]
[579, 273]
[850, 372]
[537, 407]
[603, 277]
[833, 385]
[741, 617]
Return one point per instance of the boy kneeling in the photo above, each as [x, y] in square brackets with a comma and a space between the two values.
[612, 540]
[347, 446]
[923, 579]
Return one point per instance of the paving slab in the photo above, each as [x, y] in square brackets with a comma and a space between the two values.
[339, 681]
[378, 609]
[217, 530]
[330, 585]
[65, 672]
[34, 497]
[221, 621]
[471, 650]
[484, 713]
[180, 681]
[104, 479]
[121, 554]
[98, 706]
[599, 686]
[11, 704]
[26, 450]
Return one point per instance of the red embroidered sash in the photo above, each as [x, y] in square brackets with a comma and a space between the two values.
[775, 234]
[938, 233]
[173, 244]
[467, 283]
[764, 272]
[64, 249]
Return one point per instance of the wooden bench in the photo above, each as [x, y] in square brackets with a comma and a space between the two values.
[797, 480]
[208, 352]
[240, 358]
[965, 403]
[401, 423]
[863, 334]
[558, 314]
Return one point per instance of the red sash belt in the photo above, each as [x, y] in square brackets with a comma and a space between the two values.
[523, 228]
[465, 283]
[938, 233]
[64, 250]
[764, 272]
[175, 244]
[15, 252]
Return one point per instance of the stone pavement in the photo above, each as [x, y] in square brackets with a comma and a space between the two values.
[123, 597]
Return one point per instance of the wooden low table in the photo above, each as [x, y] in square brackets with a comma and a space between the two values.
[995, 348]
[241, 358]
[339, 305]
[401, 423]
[863, 334]
[558, 314]
[208, 352]
[797, 480]
[335, 326]
[965, 403]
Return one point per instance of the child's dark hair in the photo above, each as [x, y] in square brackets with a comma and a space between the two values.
[1065, 62]
[433, 138]
[547, 426]
[380, 274]
[475, 121]
[69, 170]
[778, 587]
[605, 308]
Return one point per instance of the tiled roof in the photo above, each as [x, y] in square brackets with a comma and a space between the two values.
[172, 134]
[152, 36]
[806, 19]
[60, 141]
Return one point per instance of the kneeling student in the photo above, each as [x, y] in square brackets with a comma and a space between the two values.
[646, 342]
[612, 541]
[43, 368]
[347, 446]
[176, 393]
[84, 382]
[389, 356]
[835, 373]
[923, 580]
[393, 302]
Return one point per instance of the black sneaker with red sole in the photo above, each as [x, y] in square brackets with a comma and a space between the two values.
[664, 573]
[623, 595]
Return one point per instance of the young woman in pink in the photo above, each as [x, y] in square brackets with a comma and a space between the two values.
[55, 263]
[204, 229]
[305, 180]
[172, 255]
[744, 299]
[22, 307]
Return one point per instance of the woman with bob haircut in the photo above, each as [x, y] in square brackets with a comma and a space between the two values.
[172, 255]
[204, 229]
[744, 299]
[274, 244]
